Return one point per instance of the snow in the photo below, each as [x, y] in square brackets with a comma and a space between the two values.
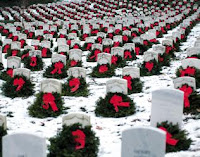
[107, 129]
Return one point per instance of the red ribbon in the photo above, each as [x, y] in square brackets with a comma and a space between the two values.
[161, 59]
[169, 139]
[140, 30]
[127, 54]
[18, 82]
[133, 34]
[14, 52]
[75, 83]
[128, 78]
[117, 31]
[22, 43]
[49, 99]
[153, 41]
[110, 35]
[149, 66]
[116, 44]
[187, 92]
[30, 35]
[73, 63]
[145, 42]
[107, 50]
[76, 46]
[33, 61]
[58, 66]
[188, 71]
[69, 42]
[137, 50]
[125, 38]
[62, 36]
[99, 39]
[117, 101]
[36, 47]
[44, 52]
[25, 55]
[103, 68]
[96, 52]
[114, 60]
[95, 31]
[15, 38]
[89, 45]
[163, 30]
[168, 49]
[85, 36]
[79, 138]
[10, 72]
[6, 47]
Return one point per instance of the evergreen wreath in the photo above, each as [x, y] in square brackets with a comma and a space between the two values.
[196, 74]
[142, 48]
[92, 57]
[64, 143]
[37, 110]
[1, 66]
[120, 62]
[183, 143]
[24, 55]
[104, 107]
[73, 63]
[109, 73]
[10, 53]
[48, 52]
[48, 72]
[18, 86]
[164, 59]
[3, 132]
[129, 55]
[4, 74]
[6, 48]
[135, 85]
[38, 66]
[81, 91]
[87, 46]
[154, 69]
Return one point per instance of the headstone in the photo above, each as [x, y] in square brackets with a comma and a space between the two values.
[190, 81]
[51, 85]
[75, 54]
[159, 49]
[58, 57]
[107, 42]
[63, 48]
[7, 41]
[116, 86]
[129, 46]
[117, 51]
[134, 72]
[97, 46]
[22, 72]
[34, 53]
[3, 121]
[46, 44]
[61, 41]
[167, 42]
[167, 105]
[24, 145]
[35, 42]
[191, 62]
[136, 142]
[16, 45]
[13, 62]
[193, 51]
[150, 55]
[77, 72]
[74, 118]
[104, 58]
[73, 42]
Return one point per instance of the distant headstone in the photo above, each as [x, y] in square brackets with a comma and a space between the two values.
[116, 86]
[51, 85]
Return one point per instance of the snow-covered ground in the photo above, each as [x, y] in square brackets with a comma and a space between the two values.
[107, 129]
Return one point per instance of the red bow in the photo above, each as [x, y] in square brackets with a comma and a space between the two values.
[62, 36]
[107, 50]
[5, 31]
[73, 63]
[89, 45]
[103, 68]
[14, 52]
[49, 99]
[6, 47]
[69, 42]
[44, 52]
[153, 41]
[10, 35]
[149, 66]
[10, 72]
[22, 43]
[160, 58]
[30, 35]
[96, 52]
[157, 33]
[128, 78]
[75, 83]
[99, 39]
[19, 82]
[125, 38]
[58, 66]
[188, 71]
[33, 61]
[114, 59]
[79, 138]
[145, 42]
[117, 101]
[187, 92]
[127, 54]
[15, 38]
[133, 35]
[116, 44]
[168, 49]
[140, 30]
[85, 36]
[182, 36]
[137, 50]
[110, 35]
[163, 30]
[117, 31]
[95, 31]
[25, 55]
[76, 46]
[36, 47]
[169, 139]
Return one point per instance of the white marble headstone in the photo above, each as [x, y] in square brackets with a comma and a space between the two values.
[167, 42]
[134, 72]
[75, 54]
[159, 49]
[58, 57]
[193, 51]
[117, 51]
[3, 121]
[35, 53]
[51, 85]
[13, 62]
[190, 81]
[22, 72]
[74, 118]
[167, 105]
[116, 86]
[16, 45]
[24, 145]
[107, 42]
[191, 62]
[61, 41]
[77, 72]
[136, 142]
[74, 42]
[129, 46]
[104, 58]
[46, 44]
[97, 46]
[150, 55]
[35, 42]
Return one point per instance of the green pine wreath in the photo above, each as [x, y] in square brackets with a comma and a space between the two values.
[196, 75]
[50, 68]
[36, 109]
[26, 53]
[107, 74]
[92, 54]
[133, 54]
[181, 135]
[63, 144]
[9, 89]
[164, 59]
[82, 90]
[9, 53]
[1, 66]
[3, 132]
[4, 76]
[38, 67]
[121, 62]
[105, 109]
[49, 53]
[155, 71]
[194, 108]
[136, 85]
[68, 64]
